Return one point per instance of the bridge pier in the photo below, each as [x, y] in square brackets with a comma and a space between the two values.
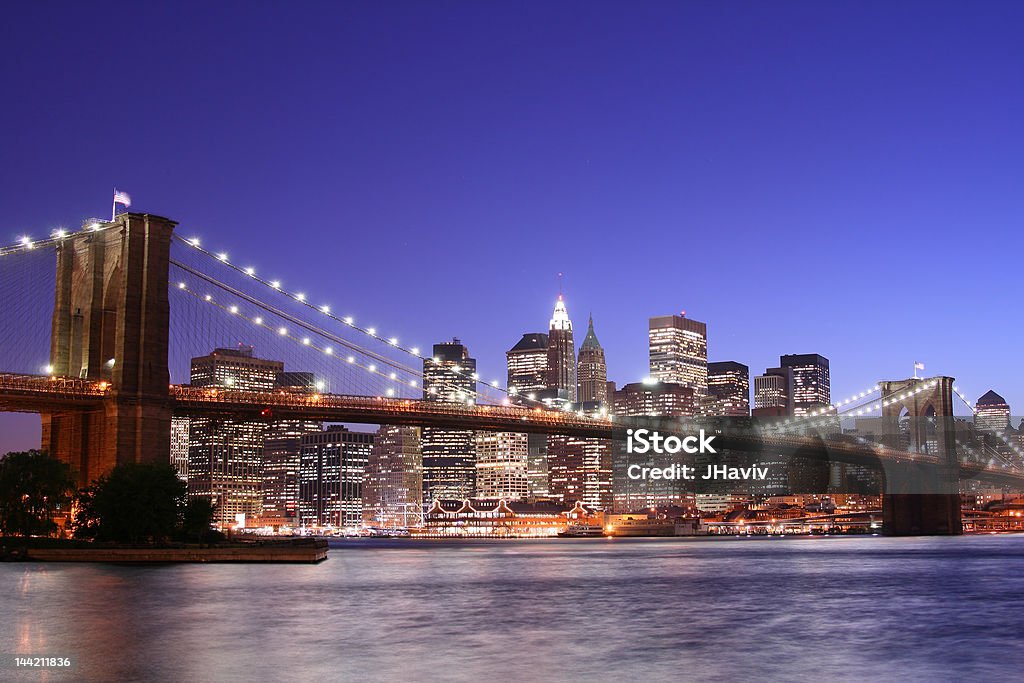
[110, 323]
[919, 500]
[921, 514]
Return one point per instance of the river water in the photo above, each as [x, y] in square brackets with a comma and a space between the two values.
[823, 609]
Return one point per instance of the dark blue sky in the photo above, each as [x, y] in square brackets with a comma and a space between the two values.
[841, 178]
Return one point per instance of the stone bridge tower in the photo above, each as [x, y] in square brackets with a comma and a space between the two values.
[110, 323]
[917, 414]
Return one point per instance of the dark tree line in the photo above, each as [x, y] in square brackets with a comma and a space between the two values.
[33, 489]
[134, 503]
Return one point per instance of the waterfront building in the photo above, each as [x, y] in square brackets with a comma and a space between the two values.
[580, 470]
[476, 518]
[282, 449]
[332, 468]
[226, 455]
[502, 465]
[449, 457]
[393, 489]
[678, 349]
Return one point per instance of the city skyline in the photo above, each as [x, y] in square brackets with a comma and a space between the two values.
[21, 426]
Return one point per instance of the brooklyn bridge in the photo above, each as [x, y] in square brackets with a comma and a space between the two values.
[130, 298]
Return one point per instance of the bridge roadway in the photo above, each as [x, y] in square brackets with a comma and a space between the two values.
[33, 393]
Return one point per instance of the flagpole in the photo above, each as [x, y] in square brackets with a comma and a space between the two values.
[113, 205]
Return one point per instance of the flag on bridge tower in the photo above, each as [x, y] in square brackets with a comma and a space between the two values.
[918, 365]
[119, 198]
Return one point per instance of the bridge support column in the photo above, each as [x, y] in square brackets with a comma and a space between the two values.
[921, 514]
[110, 323]
[921, 500]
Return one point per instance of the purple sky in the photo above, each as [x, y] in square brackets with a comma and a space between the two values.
[841, 178]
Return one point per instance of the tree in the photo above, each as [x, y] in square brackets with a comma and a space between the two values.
[33, 486]
[134, 503]
[196, 519]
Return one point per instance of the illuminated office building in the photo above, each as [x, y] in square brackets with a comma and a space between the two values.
[179, 446]
[393, 490]
[226, 455]
[528, 382]
[592, 373]
[282, 449]
[332, 468]
[528, 367]
[501, 465]
[811, 382]
[649, 399]
[537, 466]
[728, 390]
[580, 470]
[449, 458]
[773, 392]
[678, 348]
[653, 398]
[561, 352]
[992, 413]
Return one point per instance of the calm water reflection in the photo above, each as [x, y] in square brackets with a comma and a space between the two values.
[798, 609]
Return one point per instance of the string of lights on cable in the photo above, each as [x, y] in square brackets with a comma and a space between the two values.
[326, 310]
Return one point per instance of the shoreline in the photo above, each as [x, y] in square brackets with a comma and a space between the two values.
[310, 551]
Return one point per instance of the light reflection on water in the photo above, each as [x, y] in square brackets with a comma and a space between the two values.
[586, 609]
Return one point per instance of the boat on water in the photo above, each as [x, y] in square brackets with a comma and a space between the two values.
[582, 531]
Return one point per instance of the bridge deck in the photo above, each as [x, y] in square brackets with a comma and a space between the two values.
[32, 393]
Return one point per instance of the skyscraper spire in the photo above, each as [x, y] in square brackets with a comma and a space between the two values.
[590, 341]
[560, 317]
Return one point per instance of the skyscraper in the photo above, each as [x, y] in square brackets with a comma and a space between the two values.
[593, 371]
[992, 413]
[728, 390]
[561, 352]
[811, 383]
[773, 393]
[179, 446]
[449, 457]
[226, 455]
[678, 348]
[528, 382]
[654, 399]
[650, 399]
[393, 489]
[528, 367]
[501, 465]
[332, 468]
[282, 450]
[580, 469]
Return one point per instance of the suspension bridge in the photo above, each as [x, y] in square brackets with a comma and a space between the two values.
[129, 302]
